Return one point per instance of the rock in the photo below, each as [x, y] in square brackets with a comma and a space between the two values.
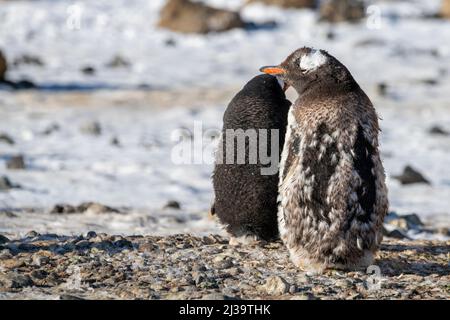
[5, 254]
[97, 208]
[436, 130]
[342, 10]
[3, 66]
[382, 88]
[276, 286]
[410, 176]
[51, 129]
[39, 260]
[404, 222]
[6, 184]
[298, 4]
[16, 163]
[3, 239]
[63, 209]
[15, 280]
[172, 204]
[444, 231]
[193, 17]
[6, 139]
[396, 234]
[88, 70]
[87, 208]
[93, 128]
[118, 62]
[115, 142]
[32, 234]
[91, 234]
[28, 60]
[445, 9]
[7, 213]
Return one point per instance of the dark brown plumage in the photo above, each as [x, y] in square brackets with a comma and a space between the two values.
[245, 198]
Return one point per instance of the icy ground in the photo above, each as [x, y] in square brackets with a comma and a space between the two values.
[407, 52]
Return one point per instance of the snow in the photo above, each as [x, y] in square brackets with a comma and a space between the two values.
[395, 46]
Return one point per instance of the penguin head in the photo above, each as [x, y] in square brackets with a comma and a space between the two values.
[307, 67]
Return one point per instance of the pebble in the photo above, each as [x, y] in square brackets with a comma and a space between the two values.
[6, 139]
[5, 183]
[3, 239]
[15, 280]
[16, 163]
[172, 204]
[410, 176]
[168, 272]
[92, 128]
[32, 234]
[436, 130]
[276, 285]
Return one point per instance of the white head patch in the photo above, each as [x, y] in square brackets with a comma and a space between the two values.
[312, 60]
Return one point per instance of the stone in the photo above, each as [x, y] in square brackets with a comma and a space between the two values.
[28, 60]
[186, 16]
[396, 234]
[15, 280]
[445, 9]
[5, 183]
[93, 128]
[410, 176]
[88, 70]
[16, 163]
[172, 204]
[32, 234]
[3, 239]
[382, 89]
[3, 66]
[39, 260]
[275, 286]
[437, 130]
[97, 208]
[297, 4]
[5, 138]
[118, 62]
[336, 11]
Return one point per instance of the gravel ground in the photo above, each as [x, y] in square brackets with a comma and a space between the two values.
[101, 266]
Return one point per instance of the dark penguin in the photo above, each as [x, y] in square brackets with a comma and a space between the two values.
[246, 191]
[333, 197]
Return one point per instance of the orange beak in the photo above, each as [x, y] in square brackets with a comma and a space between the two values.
[273, 70]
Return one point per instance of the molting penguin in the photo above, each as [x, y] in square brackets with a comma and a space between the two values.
[332, 191]
[245, 176]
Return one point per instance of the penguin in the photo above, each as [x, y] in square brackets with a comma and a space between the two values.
[245, 192]
[332, 192]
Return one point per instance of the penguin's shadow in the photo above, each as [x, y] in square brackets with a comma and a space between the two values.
[396, 266]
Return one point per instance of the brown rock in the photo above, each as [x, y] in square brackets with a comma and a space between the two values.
[16, 163]
[189, 17]
[287, 3]
[3, 66]
[342, 10]
[445, 9]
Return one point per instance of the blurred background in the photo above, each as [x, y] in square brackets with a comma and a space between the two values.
[92, 94]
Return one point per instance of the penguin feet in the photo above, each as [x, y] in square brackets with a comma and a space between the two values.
[300, 259]
[360, 264]
[247, 239]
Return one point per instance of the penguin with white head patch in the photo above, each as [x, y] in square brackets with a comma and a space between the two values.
[332, 191]
[254, 127]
